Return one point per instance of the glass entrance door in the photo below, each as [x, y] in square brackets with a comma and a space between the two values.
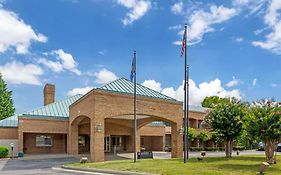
[107, 144]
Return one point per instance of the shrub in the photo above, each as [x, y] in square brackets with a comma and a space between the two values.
[4, 151]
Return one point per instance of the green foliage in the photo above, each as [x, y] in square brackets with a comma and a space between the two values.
[212, 101]
[245, 139]
[203, 136]
[264, 122]
[216, 137]
[4, 151]
[191, 134]
[226, 119]
[6, 103]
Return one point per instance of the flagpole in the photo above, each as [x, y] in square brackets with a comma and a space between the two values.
[135, 117]
[186, 87]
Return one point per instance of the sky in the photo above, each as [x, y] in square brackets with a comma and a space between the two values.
[234, 47]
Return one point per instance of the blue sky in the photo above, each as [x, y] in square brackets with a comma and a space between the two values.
[234, 47]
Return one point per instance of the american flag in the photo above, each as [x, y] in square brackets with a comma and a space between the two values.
[183, 42]
[133, 69]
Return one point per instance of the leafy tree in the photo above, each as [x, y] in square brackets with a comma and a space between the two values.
[216, 138]
[226, 119]
[191, 134]
[264, 121]
[203, 136]
[210, 102]
[6, 103]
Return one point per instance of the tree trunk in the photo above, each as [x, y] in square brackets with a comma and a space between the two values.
[228, 148]
[269, 151]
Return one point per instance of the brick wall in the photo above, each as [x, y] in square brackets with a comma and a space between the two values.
[8, 133]
[58, 144]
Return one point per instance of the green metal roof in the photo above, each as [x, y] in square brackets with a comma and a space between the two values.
[56, 109]
[10, 122]
[125, 86]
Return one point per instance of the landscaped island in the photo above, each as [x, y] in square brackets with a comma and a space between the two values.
[244, 165]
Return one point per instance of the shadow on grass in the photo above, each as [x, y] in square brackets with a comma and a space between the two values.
[247, 168]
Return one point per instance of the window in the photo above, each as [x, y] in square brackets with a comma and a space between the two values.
[82, 141]
[44, 141]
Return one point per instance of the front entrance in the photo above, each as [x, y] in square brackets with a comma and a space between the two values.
[116, 143]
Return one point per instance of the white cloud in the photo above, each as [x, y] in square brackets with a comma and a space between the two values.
[152, 84]
[233, 82]
[272, 19]
[258, 31]
[198, 92]
[254, 83]
[104, 76]
[68, 61]
[177, 8]
[239, 39]
[19, 73]
[15, 34]
[178, 43]
[82, 91]
[65, 61]
[137, 9]
[201, 22]
[53, 65]
[176, 27]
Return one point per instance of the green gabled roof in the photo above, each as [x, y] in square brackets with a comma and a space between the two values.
[10, 122]
[125, 86]
[58, 109]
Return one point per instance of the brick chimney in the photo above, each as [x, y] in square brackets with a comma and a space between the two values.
[49, 94]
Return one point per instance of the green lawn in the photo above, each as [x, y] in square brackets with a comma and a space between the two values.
[244, 165]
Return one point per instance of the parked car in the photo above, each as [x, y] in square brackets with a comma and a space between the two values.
[279, 147]
[261, 147]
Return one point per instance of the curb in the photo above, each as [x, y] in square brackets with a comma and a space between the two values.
[95, 170]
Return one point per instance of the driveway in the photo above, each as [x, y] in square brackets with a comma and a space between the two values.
[39, 165]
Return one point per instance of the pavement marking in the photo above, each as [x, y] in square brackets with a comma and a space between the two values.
[77, 171]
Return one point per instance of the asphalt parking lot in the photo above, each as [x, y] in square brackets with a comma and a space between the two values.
[38, 166]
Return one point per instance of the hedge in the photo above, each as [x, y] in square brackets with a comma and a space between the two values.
[235, 148]
[4, 151]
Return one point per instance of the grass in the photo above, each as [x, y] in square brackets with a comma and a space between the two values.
[244, 165]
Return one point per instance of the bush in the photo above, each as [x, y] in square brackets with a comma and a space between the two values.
[4, 151]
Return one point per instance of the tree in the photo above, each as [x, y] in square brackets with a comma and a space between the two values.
[264, 122]
[216, 138]
[210, 102]
[225, 118]
[191, 134]
[203, 136]
[6, 103]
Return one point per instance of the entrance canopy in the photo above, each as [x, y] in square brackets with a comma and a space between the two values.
[112, 105]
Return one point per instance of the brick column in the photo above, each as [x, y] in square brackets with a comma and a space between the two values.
[97, 139]
[177, 141]
[20, 142]
[72, 140]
